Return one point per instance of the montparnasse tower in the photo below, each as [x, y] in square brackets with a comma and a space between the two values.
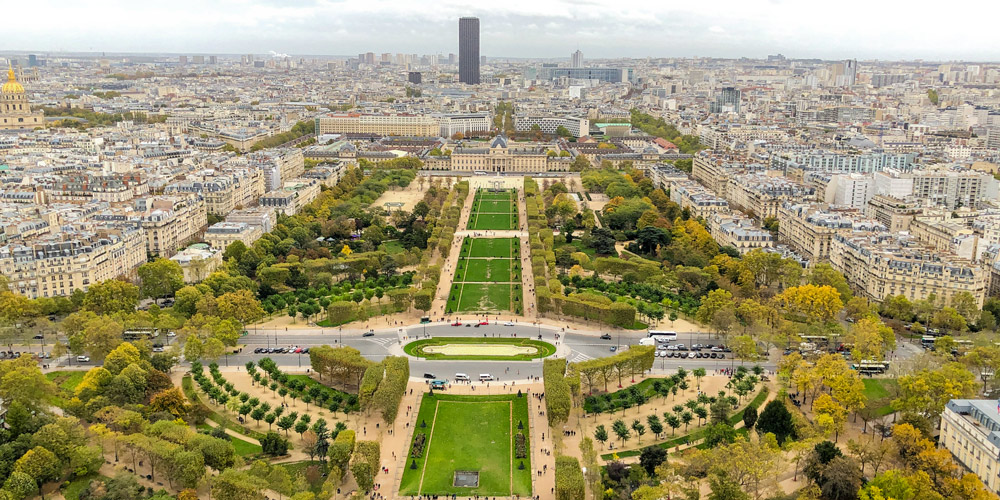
[15, 110]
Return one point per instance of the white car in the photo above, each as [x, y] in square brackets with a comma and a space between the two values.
[171, 334]
[509, 323]
[690, 355]
[82, 359]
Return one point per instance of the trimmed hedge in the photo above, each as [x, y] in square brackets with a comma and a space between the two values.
[558, 396]
[570, 484]
[391, 389]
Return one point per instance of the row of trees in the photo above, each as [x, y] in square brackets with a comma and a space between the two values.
[594, 372]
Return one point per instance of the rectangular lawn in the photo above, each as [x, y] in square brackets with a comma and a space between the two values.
[476, 297]
[491, 222]
[473, 433]
[487, 270]
[492, 247]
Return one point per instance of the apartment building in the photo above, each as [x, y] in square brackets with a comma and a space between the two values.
[700, 201]
[296, 194]
[278, 166]
[714, 170]
[970, 430]
[171, 222]
[732, 229]
[263, 217]
[893, 213]
[944, 234]
[198, 261]
[809, 228]
[825, 161]
[221, 234]
[225, 191]
[665, 175]
[853, 190]
[465, 124]
[56, 264]
[760, 195]
[880, 265]
[84, 188]
[378, 124]
[942, 187]
[578, 127]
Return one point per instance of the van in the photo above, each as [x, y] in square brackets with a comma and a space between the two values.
[461, 377]
[83, 359]
[485, 377]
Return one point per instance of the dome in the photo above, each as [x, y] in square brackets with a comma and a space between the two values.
[11, 87]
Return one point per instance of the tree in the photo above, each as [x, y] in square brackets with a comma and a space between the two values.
[273, 444]
[816, 303]
[651, 457]
[233, 484]
[871, 339]
[841, 479]
[723, 488]
[777, 420]
[830, 415]
[601, 435]
[569, 482]
[712, 303]
[22, 381]
[40, 464]
[927, 391]
[620, 430]
[240, 305]
[171, 401]
[160, 278]
[111, 296]
[749, 417]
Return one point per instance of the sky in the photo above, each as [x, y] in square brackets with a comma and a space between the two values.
[839, 29]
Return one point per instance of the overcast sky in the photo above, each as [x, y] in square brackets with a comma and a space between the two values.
[862, 29]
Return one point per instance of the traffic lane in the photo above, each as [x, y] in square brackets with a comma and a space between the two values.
[503, 371]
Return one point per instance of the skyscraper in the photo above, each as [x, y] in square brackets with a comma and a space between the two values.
[468, 50]
[577, 59]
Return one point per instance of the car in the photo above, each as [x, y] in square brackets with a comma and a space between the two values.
[257, 350]
[47, 355]
[671, 354]
[38, 337]
[171, 334]
[509, 323]
[476, 325]
[369, 333]
[690, 355]
[469, 324]
[722, 356]
[484, 323]
[298, 350]
[614, 348]
[682, 347]
[457, 323]
[157, 349]
[713, 355]
[83, 359]
[305, 351]
[429, 376]
[606, 336]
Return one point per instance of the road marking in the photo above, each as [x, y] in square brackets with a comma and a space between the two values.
[579, 357]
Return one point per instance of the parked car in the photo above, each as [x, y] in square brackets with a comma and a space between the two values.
[509, 323]
[457, 323]
[83, 359]
[38, 337]
[484, 323]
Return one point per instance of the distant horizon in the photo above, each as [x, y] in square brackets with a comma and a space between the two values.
[117, 53]
[890, 30]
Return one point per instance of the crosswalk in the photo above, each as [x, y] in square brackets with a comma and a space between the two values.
[384, 342]
[578, 357]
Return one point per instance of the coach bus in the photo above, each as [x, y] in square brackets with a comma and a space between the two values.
[663, 335]
[869, 367]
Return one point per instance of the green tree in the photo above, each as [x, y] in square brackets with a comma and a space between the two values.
[160, 278]
[111, 296]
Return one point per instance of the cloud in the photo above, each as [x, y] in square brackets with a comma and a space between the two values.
[515, 28]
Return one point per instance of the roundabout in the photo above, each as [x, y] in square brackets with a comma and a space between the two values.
[479, 348]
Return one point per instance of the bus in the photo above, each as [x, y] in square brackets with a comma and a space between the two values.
[927, 342]
[663, 335]
[819, 340]
[869, 367]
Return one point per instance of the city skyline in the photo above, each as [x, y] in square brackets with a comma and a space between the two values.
[725, 29]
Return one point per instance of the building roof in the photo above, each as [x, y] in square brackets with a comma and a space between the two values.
[11, 87]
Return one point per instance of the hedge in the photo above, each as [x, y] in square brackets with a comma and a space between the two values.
[569, 479]
[558, 395]
[391, 389]
[340, 450]
[369, 383]
[366, 461]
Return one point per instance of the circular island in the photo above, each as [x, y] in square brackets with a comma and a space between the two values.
[479, 348]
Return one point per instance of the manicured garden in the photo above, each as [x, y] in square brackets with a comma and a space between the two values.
[424, 348]
[880, 389]
[488, 435]
[487, 276]
[494, 211]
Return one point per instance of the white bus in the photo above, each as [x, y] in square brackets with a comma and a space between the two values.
[870, 367]
[663, 335]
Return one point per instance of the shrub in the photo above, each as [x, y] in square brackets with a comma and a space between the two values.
[520, 446]
[418, 445]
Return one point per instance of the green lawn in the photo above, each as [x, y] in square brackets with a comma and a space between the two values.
[493, 207]
[392, 247]
[416, 348]
[487, 270]
[491, 247]
[879, 388]
[66, 379]
[485, 298]
[245, 448]
[475, 433]
[492, 222]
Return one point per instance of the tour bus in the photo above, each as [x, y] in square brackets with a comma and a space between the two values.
[663, 335]
[870, 367]
[927, 341]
